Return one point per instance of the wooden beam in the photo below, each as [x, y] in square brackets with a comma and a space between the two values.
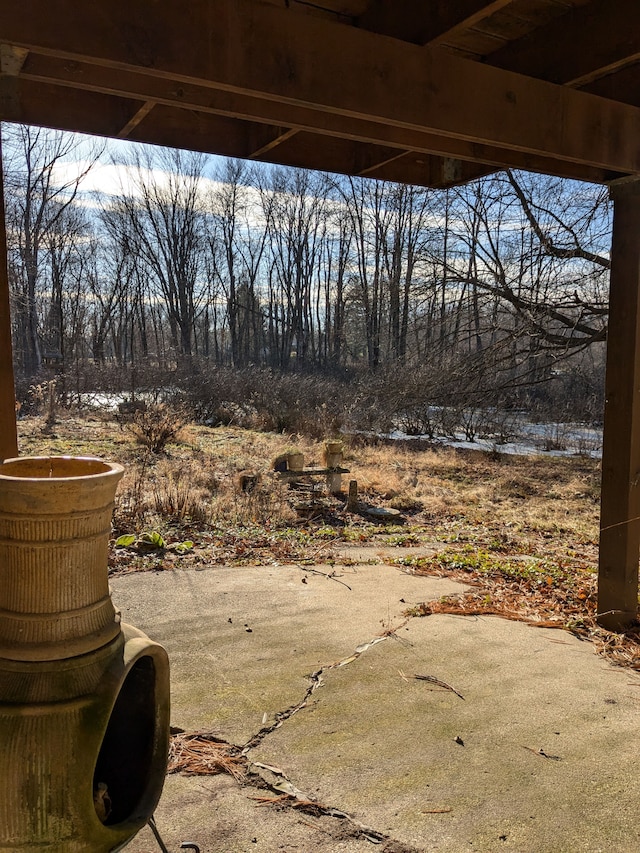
[620, 509]
[620, 86]
[218, 132]
[424, 21]
[278, 139]
[341, 156]
[430, 171]
[203, 132]
[12, 59]
[330, 154]
[585, 43]
[135, 120]
[380, 164]
[273, 53]
[8, 430]
[194, 97]
[50, 106]
[302, 150]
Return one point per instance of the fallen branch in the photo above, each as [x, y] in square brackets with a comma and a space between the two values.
[330, 575]
[542, 753]
[288, 795]
[433, 680]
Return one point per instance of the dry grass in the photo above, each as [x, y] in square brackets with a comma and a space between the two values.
[521, 531]
[544, 509]
[542, 495]
[544, 505]
[468, 493]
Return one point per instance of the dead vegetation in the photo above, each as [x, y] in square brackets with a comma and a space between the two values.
[521, 532]
[202, 754]
[544, 507]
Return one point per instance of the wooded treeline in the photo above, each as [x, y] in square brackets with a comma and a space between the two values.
[499, 284]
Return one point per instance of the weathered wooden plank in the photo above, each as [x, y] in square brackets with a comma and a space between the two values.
[139, 116]
[430, 171]
[33, 99]
[177, 128]
[51, 106]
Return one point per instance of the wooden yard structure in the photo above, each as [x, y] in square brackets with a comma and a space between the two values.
[431, 92]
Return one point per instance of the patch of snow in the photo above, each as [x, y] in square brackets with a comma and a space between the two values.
[544, 439]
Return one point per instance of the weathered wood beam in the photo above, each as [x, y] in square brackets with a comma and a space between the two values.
[202, 132]
[619, 86]
[8, 430]
[277, 140]
[581, 45]
[380, 164]
[424, 21]
[193, 97]
[50, 106]
[331, 154]
[620, 508]
[343, 157]
[135, 120]
[12, 59]
[274, 53]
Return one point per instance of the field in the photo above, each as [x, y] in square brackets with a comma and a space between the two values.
[522, 532]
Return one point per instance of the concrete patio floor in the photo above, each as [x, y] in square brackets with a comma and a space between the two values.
[536, 752]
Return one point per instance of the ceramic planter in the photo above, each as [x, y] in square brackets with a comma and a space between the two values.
[84, 700]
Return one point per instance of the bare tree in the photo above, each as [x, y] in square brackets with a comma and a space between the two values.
[161, 213]
[408, 209]
[69, 248]
[541, 250]
[364, 200]
[295, 208]
[237, 241]
[44, 172]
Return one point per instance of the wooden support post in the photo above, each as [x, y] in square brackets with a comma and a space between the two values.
[8, 432]
[352, 502]
[620, 508]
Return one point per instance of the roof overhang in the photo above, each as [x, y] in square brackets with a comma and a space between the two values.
[341, 91]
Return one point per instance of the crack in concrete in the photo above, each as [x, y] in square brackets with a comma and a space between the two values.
[275, 780]
[268, 777]
[315, 683]
[290, 796]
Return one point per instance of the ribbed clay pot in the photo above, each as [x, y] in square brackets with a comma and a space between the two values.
[84, 701]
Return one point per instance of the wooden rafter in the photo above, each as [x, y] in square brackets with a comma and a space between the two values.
[622, 85]
[277, 140]
[605, 36]
[135, 120]
[425, 21]
[218, 130]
